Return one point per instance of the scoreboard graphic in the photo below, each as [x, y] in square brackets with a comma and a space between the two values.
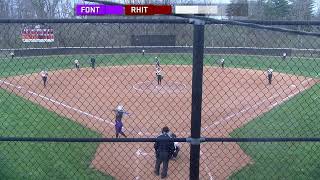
[37, 34]
[132, 10]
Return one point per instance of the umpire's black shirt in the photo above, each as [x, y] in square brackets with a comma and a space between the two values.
[164, 146]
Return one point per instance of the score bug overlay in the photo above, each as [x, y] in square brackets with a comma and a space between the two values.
[134, 10]
[147, 9]
[131, 10]
[98, 10]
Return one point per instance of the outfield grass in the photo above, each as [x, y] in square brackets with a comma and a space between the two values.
[298, 117]
[26, 65]
[25, 160]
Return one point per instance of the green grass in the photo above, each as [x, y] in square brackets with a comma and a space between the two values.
[25, 65]
[25, 160]
[298, 117]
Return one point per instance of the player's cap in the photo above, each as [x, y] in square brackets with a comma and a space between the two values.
[119, 108]
[156, 57]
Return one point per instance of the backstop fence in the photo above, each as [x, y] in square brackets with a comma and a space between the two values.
[240, 99]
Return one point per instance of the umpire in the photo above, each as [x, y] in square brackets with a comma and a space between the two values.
[164, 150]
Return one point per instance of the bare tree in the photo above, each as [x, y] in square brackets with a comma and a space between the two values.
[65, 9]
[302, 10]
[45, 8]
[4, 9]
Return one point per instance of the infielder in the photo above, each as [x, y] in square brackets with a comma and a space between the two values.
[159, 75]
[44, 76]
[118, 125]
[77, 64]
[269, 72]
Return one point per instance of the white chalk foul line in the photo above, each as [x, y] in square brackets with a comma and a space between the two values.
[258, 104]
[240, 112]
[137, 170]
[75, 109]
[206, 167]
[60, 103]
[289, 97]
[139, 153]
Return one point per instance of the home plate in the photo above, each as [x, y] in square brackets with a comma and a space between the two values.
[292, 85]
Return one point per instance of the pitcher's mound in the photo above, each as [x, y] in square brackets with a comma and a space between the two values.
[165, 87]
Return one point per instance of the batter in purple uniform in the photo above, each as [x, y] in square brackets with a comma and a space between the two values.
[118, 125]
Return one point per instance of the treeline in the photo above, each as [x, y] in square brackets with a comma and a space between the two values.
[255, 9]
[108, 35]
[274, 9]
[36, 9]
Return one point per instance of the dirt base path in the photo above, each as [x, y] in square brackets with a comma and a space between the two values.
[232, 97]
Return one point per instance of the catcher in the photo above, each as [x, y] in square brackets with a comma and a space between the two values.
[176, 146]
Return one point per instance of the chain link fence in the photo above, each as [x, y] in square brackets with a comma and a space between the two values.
[242, 101]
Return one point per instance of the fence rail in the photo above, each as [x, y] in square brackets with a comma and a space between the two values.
[233, 100]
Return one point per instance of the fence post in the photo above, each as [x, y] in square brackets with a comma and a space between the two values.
[197, 76]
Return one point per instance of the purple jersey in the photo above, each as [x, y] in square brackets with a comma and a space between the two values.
[118, 125]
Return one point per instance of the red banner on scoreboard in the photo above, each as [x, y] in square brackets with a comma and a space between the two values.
[37, 34]
[147, 10]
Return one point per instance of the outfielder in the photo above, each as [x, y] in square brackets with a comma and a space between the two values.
[118, 125]
[44, 76]
[222, 62]
[93, 63]
[12, 55]
[284, 56]
[269, 72]
[77, 64]
[143, 51]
